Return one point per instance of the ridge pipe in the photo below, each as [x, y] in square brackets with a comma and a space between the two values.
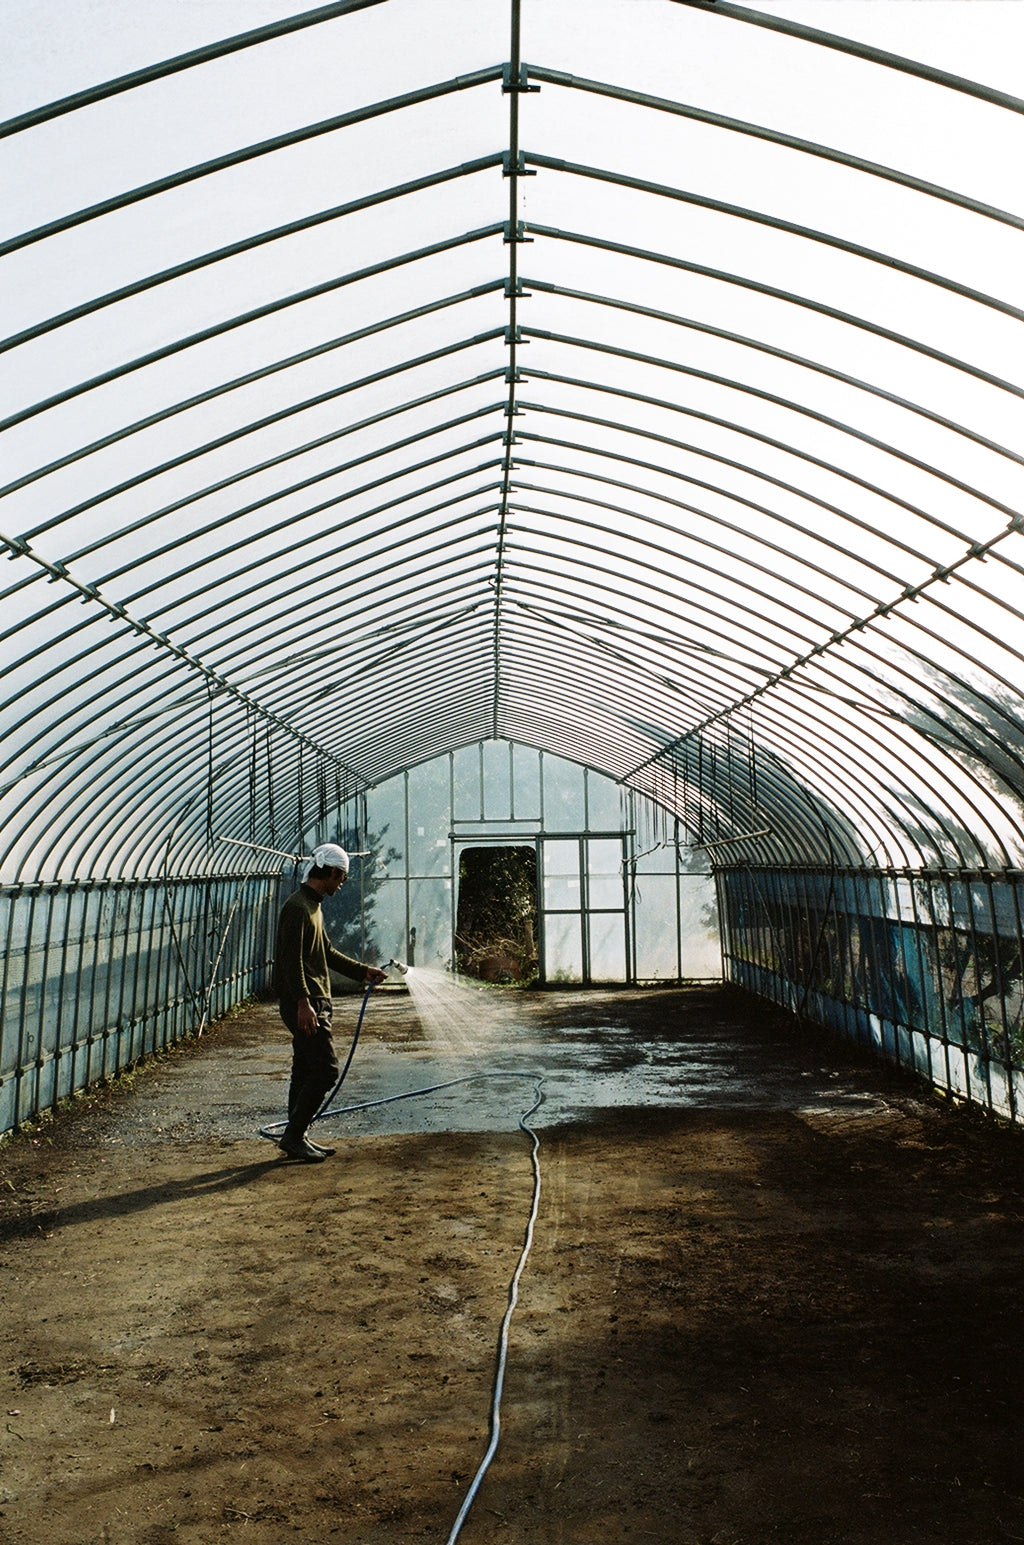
[774, 222]
[249, 153]
[866, 51]
[206, 260]
[386, 265]
[179, 62]
[817, 366]
[514, 84]
[780, 402]
[773, 137]
[115, 610]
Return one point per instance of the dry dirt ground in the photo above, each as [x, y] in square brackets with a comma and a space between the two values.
[774, 1294]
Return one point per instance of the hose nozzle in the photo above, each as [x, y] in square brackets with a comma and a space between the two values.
[398, 967]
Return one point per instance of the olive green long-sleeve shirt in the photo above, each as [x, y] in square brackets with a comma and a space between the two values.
[304, 953]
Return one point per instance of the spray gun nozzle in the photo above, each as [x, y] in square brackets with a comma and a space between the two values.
[398, 967]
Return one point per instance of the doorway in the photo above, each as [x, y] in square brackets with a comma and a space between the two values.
[496, 917]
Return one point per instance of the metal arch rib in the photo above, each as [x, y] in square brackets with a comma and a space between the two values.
[775, 137]
[775, 223]
[179, 62]
[759, 345]
[866, 51]
[248, 153]
[115, 610]
[206, 260]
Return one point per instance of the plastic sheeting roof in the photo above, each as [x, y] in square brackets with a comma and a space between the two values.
[636, 379]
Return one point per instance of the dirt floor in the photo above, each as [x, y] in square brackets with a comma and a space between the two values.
[774, 1294]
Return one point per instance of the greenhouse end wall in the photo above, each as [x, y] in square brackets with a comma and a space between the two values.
[661, 926]
[923, 969]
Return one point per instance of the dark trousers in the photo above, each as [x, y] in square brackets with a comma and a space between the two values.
[314, 1065]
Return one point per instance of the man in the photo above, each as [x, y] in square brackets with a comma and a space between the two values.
[302, 961]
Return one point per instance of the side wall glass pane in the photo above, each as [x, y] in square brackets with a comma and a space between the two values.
[430, 913]
[604, 804]
[604, 873]
[525, 783]
[607, 941]
[698, 927]
[564, 804]
[655, 928]
[561, 876]
[563, 947]
[469, 799]
[497, 781]
[429, 818]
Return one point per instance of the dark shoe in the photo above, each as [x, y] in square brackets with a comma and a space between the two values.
[299, 1148]
[327, 1152]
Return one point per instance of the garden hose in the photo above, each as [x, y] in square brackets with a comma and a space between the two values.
[273, 1129]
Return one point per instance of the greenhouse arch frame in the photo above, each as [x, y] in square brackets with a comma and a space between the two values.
[387, 381]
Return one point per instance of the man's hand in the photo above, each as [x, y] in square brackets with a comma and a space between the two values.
[305, 1017]
[374, 976]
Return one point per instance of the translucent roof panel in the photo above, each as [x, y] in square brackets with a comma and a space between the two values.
[636, 381]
